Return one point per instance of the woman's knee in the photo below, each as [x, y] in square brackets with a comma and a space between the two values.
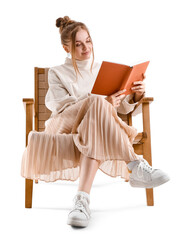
[99, 99]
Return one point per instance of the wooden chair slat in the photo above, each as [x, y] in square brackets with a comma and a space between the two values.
[41, 70]
[41, 78]
[43, 85]
[41, 129]
[42, 92]
[43, 109]
[41, 100]
[43, 116]
[41, 124]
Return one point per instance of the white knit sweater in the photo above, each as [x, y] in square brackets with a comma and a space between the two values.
[64, 90]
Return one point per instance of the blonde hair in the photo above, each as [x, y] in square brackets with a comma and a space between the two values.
[68, 29]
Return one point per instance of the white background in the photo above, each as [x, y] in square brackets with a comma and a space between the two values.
[125, 32]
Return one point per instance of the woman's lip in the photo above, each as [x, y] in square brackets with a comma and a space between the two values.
[85, 53]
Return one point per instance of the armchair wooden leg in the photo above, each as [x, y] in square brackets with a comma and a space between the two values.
[28, 193]
[149, 195]
[29, 105]
[147, 147]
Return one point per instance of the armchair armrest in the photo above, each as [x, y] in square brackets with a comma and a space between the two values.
[28, 101]
[29, 109]
[138, 108]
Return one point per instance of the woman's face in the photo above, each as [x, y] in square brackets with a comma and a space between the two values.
[83, 45]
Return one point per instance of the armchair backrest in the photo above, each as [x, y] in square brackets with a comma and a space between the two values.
[42, 113]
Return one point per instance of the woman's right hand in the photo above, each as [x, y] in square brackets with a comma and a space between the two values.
[116, 98]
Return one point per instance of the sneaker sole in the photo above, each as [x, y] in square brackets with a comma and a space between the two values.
[158, 182]
[77, 223]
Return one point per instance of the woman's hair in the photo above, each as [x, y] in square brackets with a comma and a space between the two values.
[68, 29]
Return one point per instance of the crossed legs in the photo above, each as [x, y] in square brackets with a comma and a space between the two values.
[88, 169]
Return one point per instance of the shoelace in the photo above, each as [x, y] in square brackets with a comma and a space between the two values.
[143, 167]
[80, 205]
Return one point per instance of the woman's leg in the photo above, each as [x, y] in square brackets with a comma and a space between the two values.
[88, 169]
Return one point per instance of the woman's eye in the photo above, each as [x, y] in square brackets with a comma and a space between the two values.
[77, 45]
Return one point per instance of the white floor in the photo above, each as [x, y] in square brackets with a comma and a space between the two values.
[118, 211]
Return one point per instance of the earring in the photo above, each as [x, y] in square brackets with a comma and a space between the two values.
[68, 55]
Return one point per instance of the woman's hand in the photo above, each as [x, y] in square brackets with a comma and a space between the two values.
[116, 98]
[138, 89]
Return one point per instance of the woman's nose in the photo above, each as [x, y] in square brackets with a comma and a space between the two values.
[84, 47]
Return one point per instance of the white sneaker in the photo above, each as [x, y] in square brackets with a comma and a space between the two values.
[79, 216]
[143, 175]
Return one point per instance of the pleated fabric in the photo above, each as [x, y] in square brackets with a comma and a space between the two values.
[90, 127]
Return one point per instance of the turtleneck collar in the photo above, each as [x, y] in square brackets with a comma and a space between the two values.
[82, 64]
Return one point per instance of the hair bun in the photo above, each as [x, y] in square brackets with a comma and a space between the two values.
[63, 22]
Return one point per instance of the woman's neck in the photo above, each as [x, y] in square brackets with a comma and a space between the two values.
[82, 64]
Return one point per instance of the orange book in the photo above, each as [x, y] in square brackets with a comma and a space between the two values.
[113, 77]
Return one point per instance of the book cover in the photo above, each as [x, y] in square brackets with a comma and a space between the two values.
[113, 77]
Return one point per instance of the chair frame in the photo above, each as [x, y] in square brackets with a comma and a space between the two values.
[141, 145]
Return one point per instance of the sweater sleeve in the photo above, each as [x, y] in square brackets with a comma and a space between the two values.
[57, 97]
[127, 105]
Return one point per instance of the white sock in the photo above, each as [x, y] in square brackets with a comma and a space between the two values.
[131, 165]
[85, 194]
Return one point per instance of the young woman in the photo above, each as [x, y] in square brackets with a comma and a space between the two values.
[84, 132]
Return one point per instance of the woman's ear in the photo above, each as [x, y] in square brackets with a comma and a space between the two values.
[66, 48]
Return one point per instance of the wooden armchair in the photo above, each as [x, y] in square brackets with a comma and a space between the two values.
[36, 108]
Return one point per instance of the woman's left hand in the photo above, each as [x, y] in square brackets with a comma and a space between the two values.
[138, 89]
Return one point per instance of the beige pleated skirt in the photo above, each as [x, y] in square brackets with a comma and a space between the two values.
[90, 127]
